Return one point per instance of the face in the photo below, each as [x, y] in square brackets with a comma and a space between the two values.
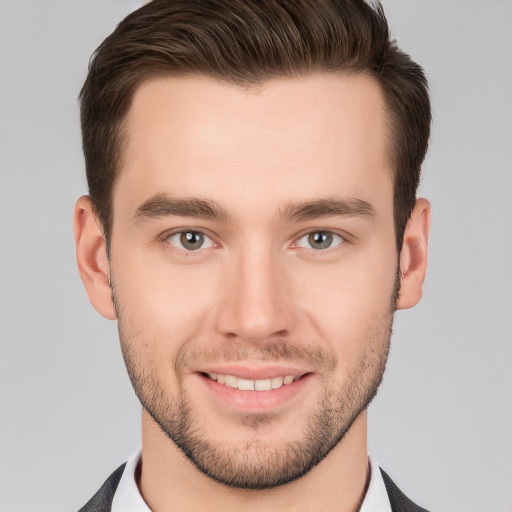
[253, 267]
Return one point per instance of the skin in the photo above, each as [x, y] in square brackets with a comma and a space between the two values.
[257, 283]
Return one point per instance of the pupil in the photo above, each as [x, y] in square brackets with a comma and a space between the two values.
[192, 240]
[320, 240]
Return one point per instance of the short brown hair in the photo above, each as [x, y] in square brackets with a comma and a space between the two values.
[246, 42]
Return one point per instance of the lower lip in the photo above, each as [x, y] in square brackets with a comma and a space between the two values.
[257, 401]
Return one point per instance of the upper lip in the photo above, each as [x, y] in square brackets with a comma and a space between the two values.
[255, 373]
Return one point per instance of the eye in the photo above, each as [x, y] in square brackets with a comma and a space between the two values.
[319, 240]
[190, 240]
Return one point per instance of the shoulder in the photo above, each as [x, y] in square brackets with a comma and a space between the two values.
[102, 500]
[399, 501]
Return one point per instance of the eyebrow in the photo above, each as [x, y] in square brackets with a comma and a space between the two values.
[328, 207]
[163, 205]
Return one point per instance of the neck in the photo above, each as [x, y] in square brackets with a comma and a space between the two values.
[169, 480]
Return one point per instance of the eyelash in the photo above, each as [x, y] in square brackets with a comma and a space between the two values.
[194, 253]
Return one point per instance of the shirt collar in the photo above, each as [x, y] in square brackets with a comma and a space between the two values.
[129, 499]
[376, 499]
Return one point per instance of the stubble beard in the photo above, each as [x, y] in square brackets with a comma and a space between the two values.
[256, 464]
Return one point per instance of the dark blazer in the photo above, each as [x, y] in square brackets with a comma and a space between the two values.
[102, 500]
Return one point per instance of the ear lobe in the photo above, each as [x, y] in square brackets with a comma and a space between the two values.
[91, 256]
[413, 257]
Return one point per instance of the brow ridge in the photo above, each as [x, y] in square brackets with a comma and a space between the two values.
[163, 205]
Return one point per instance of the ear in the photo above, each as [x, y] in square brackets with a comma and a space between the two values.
[413, 258]
[91, 256]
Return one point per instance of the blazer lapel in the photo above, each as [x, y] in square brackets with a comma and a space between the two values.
[399, 501]
[102, 500]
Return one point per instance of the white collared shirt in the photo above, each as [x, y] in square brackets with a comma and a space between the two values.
[128, 498]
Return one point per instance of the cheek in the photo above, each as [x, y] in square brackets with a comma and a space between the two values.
[350, 305]
[347, 294]
[162, 305]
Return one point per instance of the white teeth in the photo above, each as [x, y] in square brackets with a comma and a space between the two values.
[277, 382]
[230, 381]
[263, 385]
[243, 384]
[252, 385]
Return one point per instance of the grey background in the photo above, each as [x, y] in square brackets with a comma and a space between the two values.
[442, 423]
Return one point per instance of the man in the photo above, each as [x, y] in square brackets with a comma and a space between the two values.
[253, 225]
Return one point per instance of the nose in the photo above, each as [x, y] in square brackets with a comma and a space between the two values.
[256, 304]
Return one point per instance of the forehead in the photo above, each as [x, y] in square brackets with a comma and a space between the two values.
[317, 135]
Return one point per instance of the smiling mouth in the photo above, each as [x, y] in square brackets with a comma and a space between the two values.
[253, 385]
